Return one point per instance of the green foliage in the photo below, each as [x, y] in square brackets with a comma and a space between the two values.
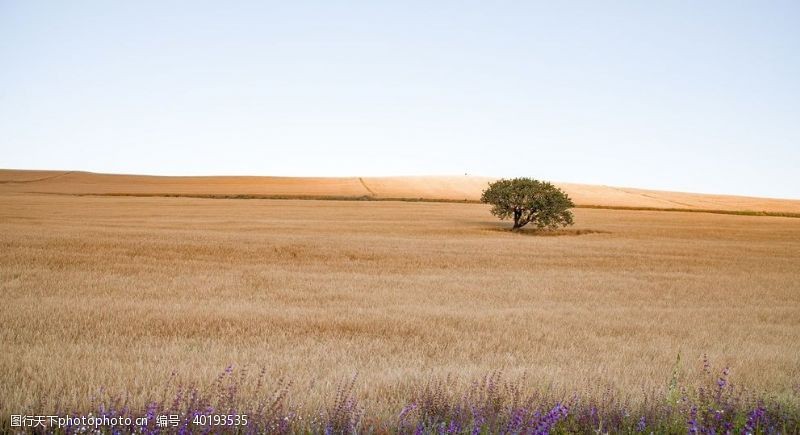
[529, 201]
[673, 393]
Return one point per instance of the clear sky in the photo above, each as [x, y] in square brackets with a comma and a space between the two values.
[699, 96]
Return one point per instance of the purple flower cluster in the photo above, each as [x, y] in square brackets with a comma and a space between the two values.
[490, 405]
[755, 420]
[344, 415]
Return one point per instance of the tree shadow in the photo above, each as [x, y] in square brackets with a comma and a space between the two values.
[546, 233]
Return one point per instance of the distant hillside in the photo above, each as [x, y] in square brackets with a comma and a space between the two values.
[413, 188]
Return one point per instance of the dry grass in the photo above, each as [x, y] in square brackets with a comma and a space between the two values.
[120, 292]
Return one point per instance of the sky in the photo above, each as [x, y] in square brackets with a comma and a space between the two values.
[674, 95]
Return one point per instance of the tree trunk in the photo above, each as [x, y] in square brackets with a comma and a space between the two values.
[517, 218]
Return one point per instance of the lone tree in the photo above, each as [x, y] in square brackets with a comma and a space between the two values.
[529, 201]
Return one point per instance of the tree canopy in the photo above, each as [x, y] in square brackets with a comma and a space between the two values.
[527, 200]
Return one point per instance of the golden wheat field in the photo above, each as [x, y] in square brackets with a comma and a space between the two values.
[462, 188]
[120, 292]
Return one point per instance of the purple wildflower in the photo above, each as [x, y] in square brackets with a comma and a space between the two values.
[753, 419]
[642, 425]
[407, 410]
[692, 423]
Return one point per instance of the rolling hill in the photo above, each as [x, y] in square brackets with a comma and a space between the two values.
[433, 188]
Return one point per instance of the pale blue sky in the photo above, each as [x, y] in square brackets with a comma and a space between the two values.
[680, 95]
